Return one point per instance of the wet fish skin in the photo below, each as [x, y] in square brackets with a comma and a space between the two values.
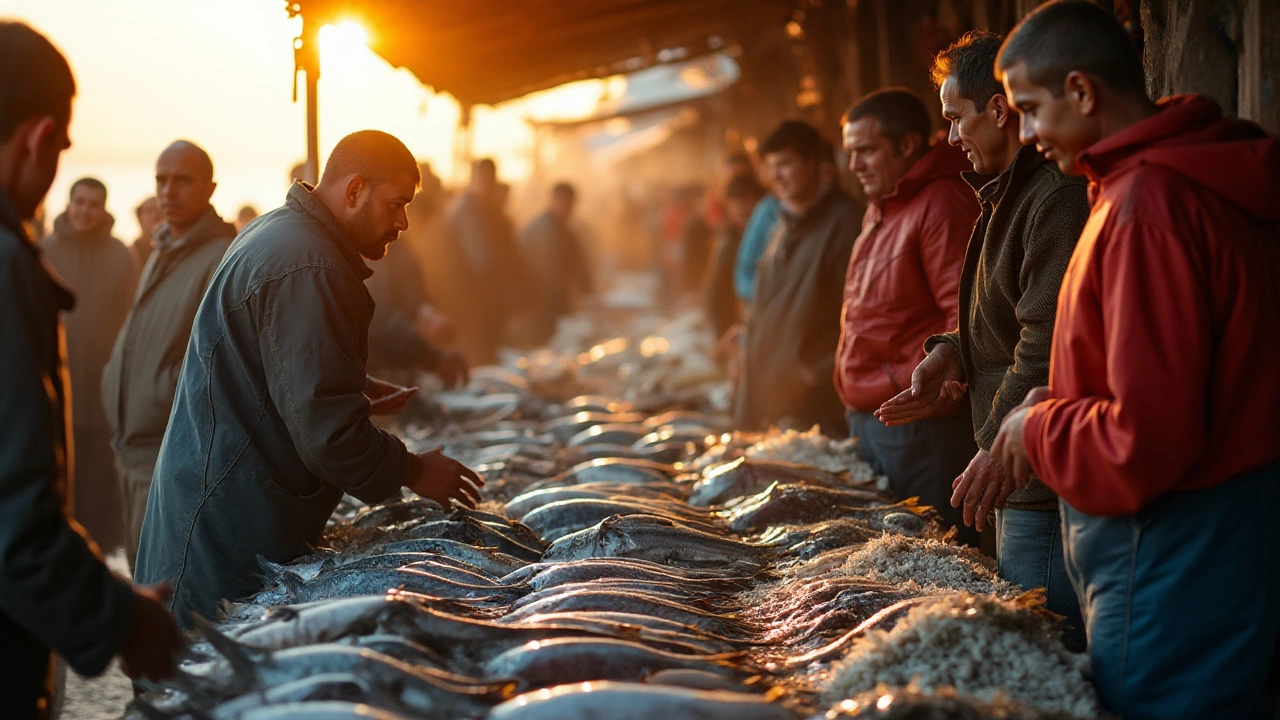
[636, 603]
[632, 701]
[552, 662]
[489, 559]
[543, 576]
[796, 504]
[555, 520]
[474, 532]
[619, 433]
[744, 477]
[527, 502]
[657, 539]
[332, 686]
[352, 583]
[323, 710]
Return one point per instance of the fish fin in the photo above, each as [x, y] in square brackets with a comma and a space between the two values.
[912, 505]
[270, 571]
[242, 658]
[290, 583]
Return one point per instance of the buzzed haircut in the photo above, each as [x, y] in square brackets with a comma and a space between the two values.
[1074, 35]
[564, 188]
[35, 79]
[971, 61]
[206, 162]
[376, 156]
[795, 135]
[899, 111]
[91, 183]
[484, 166]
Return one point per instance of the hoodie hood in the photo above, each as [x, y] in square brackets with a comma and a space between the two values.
[62, 228]
[941, 161]
[1235, 159]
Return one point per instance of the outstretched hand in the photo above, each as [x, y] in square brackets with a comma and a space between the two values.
[438, 477]
[983, 487]
[1010, 448]
[152, 647]
[936, 389]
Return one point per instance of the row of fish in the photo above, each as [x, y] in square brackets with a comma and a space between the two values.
[628, 562]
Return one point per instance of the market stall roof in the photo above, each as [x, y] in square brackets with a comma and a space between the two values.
[488, 51]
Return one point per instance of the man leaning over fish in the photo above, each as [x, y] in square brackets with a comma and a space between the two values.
[271, 424]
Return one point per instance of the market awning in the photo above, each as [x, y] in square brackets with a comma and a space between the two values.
[488, 51]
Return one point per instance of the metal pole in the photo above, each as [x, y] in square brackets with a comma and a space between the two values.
[311, 66]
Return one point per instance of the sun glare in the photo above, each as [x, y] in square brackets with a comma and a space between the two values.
[344, 47]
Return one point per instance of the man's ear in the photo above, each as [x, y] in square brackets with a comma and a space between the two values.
[35, 133]
[1081, 91]
[1000, 111]
[911, 144]
[355, 188]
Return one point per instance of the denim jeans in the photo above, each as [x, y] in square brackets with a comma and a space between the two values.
[1029, 552]
[921, 459]
[1182, 600]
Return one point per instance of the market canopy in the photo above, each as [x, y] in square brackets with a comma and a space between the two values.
[488, 51]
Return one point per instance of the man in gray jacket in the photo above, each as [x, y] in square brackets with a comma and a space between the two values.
[1032, 216]
[55, 591]
[139, 380]
[271, 421]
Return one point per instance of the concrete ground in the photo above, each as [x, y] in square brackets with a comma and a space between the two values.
[104, 697]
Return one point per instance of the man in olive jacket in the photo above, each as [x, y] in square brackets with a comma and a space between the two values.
[271, 421]
[1031, 218]
[139, 380]
[55, 591]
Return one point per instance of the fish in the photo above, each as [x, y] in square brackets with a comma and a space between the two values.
[637, 701]
[555, 520]
[617, 433]
[598, 600]
[565, 428]
[565, 660]
[522, 504]
[794, 504]
[489, 559]
[742, 477]
[658, 539]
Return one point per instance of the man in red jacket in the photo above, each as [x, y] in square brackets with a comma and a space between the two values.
[902, 287]
[1160, 428]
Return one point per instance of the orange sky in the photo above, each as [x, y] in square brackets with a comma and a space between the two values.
[220, 73]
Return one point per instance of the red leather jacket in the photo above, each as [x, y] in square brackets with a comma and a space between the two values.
[903, 280]
[1166, 347]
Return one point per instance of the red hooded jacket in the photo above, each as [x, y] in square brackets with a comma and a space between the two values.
[1165, 371]
[903, 280]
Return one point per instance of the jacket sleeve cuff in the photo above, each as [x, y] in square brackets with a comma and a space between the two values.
[119, 607]
[390, 475]
[952, 339]
[1033, 430]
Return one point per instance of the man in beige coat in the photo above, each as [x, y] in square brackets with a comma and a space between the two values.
[139, 381]
[101, 272]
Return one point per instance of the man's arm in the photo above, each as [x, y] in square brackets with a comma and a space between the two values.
[944, 237]
[51, 582]
[1113, 455]
[1050, 239]
[312, 325]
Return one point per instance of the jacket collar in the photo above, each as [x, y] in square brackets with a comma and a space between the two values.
[102, 233]
[210, 226]
[301, 200]
[820, 208]
[940, 161]
[991, 190]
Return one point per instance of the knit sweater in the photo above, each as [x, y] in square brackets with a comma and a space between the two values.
[1031, 218]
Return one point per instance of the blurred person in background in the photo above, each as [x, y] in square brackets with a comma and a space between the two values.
[741, 196]
[56, 594]
[792, 325]
[149, 219]
[561, 269]
[101, 272]
[244, 216]
[903, 287]
[139, 380]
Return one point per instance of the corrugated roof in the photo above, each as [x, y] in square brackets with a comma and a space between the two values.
[487, 51]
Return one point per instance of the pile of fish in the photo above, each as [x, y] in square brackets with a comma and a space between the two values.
[627, 562]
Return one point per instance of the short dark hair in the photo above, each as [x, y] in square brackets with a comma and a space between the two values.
[564, 188]
[971, 60]
[372, 154]
[1074, 35]
[744, 185]
[88, 182]
[795, 135]
[899, 111]
[485, 165]
[35, 79]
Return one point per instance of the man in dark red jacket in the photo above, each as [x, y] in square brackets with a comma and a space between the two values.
[1160, 428]
[902, 287]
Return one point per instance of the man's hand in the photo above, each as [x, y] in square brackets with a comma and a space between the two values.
[452, 369]
[437, 477]
[983, 486]
[935, 389]
[386, 398]
[154, 642]
[1010, 448]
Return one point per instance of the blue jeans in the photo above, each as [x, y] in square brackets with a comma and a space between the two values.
[1029, 551]
[1182, 600]
[921, 459]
